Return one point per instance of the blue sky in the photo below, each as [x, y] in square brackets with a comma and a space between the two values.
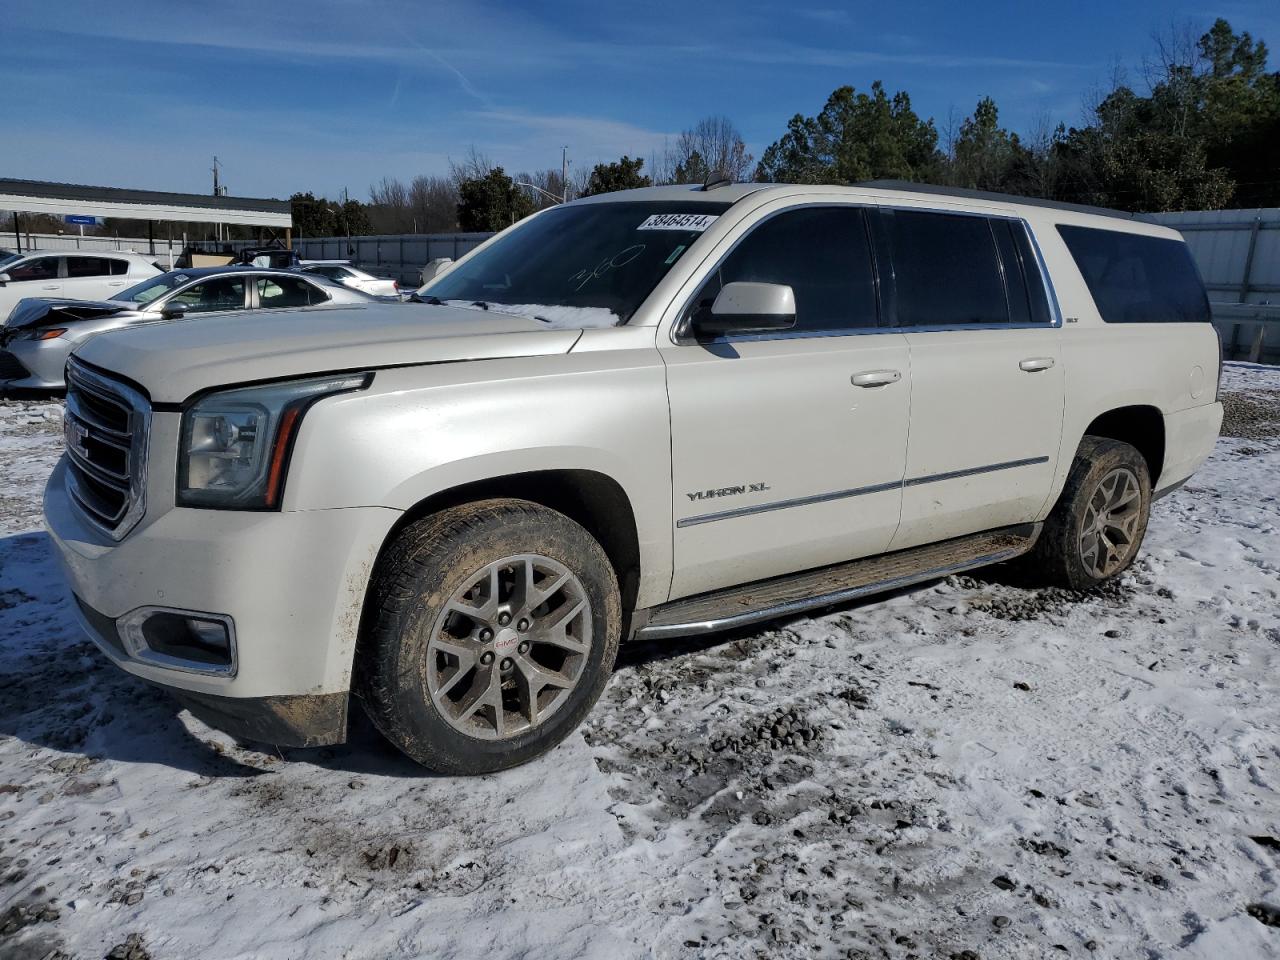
[325, 94]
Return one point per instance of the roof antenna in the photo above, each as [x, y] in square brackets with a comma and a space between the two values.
[716, 178]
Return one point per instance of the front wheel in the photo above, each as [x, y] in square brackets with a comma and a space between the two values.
[1096, 529]
[494, 629]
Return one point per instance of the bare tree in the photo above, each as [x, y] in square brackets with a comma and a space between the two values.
[389, 206]
[433, 203]
[713, 143]
[474, 166]
[1174, 69]
[951, 132]
[546, 182]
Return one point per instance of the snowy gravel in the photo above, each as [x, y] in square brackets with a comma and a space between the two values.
[969, 769]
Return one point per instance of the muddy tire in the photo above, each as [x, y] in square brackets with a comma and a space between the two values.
[1096, 529]
[491, 631]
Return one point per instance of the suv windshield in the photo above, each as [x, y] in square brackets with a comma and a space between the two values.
[149, 290]
[579, 266]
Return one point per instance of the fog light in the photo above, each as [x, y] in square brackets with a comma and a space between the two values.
[181, 639]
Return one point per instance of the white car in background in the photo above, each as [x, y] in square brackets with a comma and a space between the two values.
[71, 276]
[341, 271]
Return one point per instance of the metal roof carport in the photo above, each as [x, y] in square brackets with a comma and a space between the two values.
[1238, 253]
[62, 199]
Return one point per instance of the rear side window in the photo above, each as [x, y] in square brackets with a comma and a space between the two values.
[821, 253]
[947, 270]
[277, 292]
[1137, 279]
[95, 267]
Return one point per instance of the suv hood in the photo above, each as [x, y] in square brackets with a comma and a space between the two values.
[172, 360]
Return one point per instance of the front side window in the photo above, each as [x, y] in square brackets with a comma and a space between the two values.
[580, 265]
[219, 293]
[1138, 279]
[277, 292]
[42, 268]
[95, 267]
[821, 253]
[947, 270]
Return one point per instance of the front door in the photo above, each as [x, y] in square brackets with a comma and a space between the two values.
[788, 449]
[987, 385]
[37, 277]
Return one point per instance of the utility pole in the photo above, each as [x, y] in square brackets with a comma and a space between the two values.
[346, 221]
[217, 192]
[564, 174]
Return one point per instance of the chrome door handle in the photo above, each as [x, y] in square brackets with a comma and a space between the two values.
[116, 283]
[1036, 364]
[875, 378]
[54, 287]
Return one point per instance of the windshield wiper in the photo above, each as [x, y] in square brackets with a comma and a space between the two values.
[480, 303]
[434, 301]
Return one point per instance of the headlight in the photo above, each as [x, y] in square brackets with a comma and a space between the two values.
[40, 333]
[235, 444]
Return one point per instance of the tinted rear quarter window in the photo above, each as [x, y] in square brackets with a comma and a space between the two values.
[94, 266]
[1137, 279]
[947, 271]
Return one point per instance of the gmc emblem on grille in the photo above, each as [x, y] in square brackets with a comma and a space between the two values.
[75, 434]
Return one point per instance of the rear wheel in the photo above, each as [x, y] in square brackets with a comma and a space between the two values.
[1096, 529]
[494, 631]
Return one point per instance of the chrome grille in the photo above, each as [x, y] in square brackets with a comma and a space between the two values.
[105, 426]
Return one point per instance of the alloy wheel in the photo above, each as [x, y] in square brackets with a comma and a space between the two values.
[1109, 531]
[510, 647]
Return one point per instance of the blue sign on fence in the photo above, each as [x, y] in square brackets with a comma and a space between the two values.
[80, 218]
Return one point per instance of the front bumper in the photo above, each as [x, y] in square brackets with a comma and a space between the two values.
[292, 583]
[34, 364]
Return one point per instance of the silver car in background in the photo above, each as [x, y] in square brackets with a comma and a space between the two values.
[41, 333]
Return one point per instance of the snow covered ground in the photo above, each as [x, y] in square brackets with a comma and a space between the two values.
[969, 769]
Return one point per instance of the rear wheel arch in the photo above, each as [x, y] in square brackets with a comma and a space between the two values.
[1141, 426]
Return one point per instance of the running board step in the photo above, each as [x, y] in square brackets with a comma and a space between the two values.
[828, 586]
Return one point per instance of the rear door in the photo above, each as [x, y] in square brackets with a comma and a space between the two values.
[781, 461]
[987, 385]
[94, 277]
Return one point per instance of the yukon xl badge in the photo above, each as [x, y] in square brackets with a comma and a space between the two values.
[728, 491]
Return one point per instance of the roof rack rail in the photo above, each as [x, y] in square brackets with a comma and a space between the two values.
[966, 194]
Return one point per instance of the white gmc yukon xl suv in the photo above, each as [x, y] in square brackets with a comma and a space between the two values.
[657, 412]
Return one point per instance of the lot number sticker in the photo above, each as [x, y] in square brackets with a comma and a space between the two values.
[689, 222]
